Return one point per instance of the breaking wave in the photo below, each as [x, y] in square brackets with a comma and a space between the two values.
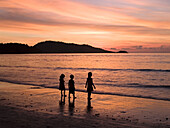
[92, 69]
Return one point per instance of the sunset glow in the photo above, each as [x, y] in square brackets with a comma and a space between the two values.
[132, 25]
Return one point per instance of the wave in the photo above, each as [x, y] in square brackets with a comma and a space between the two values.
[23, 83]
[135, 85]
[129, 85]
[92, 69]
[135, 96]
[95, 92]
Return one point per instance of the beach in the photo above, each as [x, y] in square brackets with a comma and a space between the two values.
[112, 56]
[32, 106]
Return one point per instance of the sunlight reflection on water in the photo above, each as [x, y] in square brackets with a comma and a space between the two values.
[132, 74]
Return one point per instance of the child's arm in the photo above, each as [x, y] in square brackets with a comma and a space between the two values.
[86, 84]
[93, 84]
[73, 84]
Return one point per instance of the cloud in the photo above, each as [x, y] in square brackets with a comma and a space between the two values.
[79, 12]
[126, 49]
[25, 16]
[140, 48]
[148, 47]
[32, 17]
[113, 48]
[57, 12]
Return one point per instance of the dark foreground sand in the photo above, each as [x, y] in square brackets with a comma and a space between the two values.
[24, 106]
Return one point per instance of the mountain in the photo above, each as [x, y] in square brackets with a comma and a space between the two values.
[61, 47]
[50, 47]
[14, 48]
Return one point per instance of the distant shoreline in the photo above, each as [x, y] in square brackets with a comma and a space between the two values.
[61, 53]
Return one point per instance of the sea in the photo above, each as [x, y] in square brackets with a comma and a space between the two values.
[138, 75]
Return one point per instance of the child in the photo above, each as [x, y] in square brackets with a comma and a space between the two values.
[89, 86]
[62, 86]
[71, 86]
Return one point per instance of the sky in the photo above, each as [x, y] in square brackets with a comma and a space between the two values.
[132, 25]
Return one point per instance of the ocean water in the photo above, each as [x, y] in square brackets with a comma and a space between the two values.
[138, 75]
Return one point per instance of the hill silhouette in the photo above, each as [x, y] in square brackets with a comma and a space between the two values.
[14, 48]
[61, 47]
[50, 47]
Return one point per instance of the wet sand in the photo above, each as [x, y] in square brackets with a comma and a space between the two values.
[25, 106]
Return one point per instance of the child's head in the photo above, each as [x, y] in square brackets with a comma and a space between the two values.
[89, 75]
[62, 76]
[71, 76]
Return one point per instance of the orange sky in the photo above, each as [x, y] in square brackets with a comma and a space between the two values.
[132, 25]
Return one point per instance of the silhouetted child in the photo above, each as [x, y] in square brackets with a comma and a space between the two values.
[89, 85]
[62, 86]
[71, 86]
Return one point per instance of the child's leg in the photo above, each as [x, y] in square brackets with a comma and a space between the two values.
[64, 100]
[89, 94]
[73, 94]
[64, 92]
[61, 92]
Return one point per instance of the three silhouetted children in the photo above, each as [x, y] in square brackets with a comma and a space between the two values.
[71, 85]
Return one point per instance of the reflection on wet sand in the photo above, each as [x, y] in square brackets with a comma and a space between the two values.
[71, 106]
[62, 103]
[89, 107]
